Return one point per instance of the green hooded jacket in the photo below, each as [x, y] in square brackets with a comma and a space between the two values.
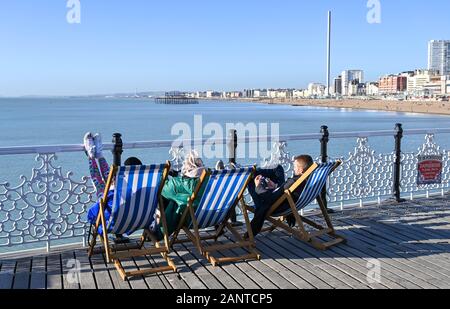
[176, 192]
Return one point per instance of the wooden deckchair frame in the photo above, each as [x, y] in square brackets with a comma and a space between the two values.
[301, 221]
[207, 250]
[115, 255]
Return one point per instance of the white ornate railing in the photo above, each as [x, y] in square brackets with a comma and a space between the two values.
[48, 209]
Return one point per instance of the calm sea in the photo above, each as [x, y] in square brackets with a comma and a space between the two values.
[25, 122]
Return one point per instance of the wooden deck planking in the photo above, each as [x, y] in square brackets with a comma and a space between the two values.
[38, 278]
[171, 279]
[7, 274]
[217, 272]
[407, 265]
[101, 273]
[196, 267]
[54, 272]
[434, 261]
[412, 247]
[331, 264]
[71, 280]
[389, 263]
[22, 274]
[185, 273]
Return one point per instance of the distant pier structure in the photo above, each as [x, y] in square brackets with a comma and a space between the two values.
[176, 98]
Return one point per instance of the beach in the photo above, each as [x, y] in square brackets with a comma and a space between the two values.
[423, 107]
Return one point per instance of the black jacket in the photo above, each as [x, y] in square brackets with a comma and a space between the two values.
[269, 197]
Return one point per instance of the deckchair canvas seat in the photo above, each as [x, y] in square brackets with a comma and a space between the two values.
[223, 191]
[137, 196]
[316, 178]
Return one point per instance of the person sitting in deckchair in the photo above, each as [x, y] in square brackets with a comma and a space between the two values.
[94, 150]
[269, 186]
[176, 193]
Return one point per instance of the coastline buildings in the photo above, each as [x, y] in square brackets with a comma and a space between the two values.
[355, 88]
[439, 56]
[419, 78]
[337, 90]
[393, 84]
[431, 83]
[348, 77]
[372, 89]
[316, 90]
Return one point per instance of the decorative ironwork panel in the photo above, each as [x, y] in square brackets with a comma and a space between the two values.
[410, 167]
[47, 206]
[279, 156]
[176, 158]
[363, 175]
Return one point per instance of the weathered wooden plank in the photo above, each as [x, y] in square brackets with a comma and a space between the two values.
[158, 261]
[217, 272]
[117, 282]
[54, 272]
[71, 273]
[298, 276]
[38, 273]
[257, 277]
[388, 274]
[342, 270]
[246, 282]
[184, 271]
[311, 263]
[87, 279]
[153, 281]
[7, 274]
[267, 272]
[408, 233]
[433, 260]
[404, 264]
[388, 261]
[360, 264]
[201, 272]
[390, 241]
[172, 280]
[101, 274]
[22, 274]
[282, 266]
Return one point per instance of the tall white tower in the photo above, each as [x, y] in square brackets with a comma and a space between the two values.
[329, 54]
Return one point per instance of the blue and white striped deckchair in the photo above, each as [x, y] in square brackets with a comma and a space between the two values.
[316, 179]
[223, 190]
[137, 196]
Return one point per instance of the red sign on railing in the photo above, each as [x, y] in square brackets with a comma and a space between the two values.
[429, 170]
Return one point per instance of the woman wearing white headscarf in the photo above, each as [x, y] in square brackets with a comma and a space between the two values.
[176, 192]
[193, 166]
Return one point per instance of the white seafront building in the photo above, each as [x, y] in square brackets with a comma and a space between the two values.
[348, 77]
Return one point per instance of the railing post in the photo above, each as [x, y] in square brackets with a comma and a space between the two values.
[118, 149]
[398, 162]
[232, 146]
[324, 156]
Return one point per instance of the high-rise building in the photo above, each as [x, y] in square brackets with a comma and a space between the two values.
[439, 56]
[338, 85]
[348, 77]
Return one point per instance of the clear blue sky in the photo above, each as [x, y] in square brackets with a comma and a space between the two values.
[205, 44]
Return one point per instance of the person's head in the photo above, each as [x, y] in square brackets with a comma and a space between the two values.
[302, 164]
[193, 166]
[132, 162]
